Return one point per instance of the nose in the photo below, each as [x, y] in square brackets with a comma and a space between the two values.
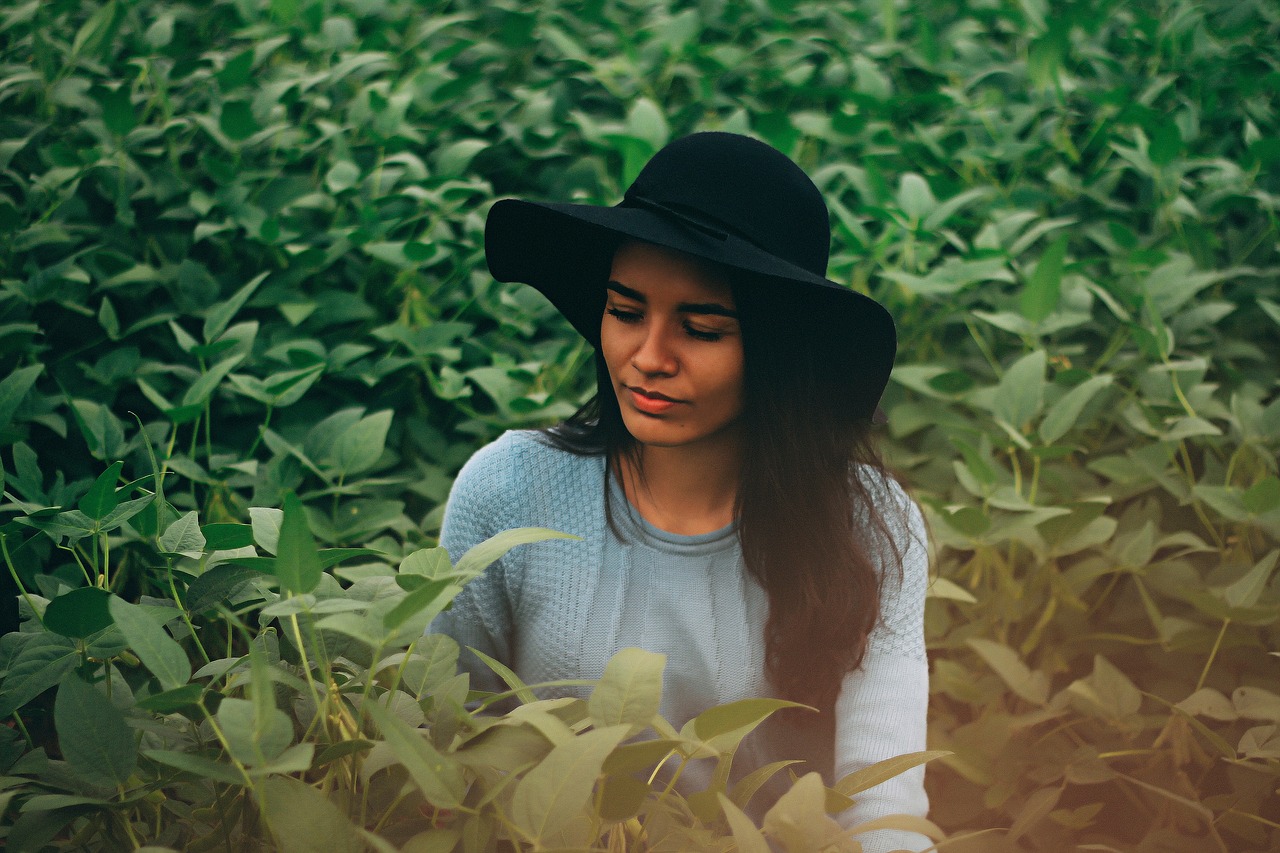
[654, 355]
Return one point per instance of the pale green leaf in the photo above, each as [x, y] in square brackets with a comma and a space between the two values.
[559, 788]
[882, 771]
[630, 691]
[303, 820]
[1062, 415]
[438, 776]
[1030, 685]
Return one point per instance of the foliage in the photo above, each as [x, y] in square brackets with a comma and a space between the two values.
[258, 227]
[332, 722]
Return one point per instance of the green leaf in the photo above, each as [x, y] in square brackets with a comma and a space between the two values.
[480, 556]
[559, 788]
[202, 389]
[227, 536]
[621, 797]
[439, 777]
[723, 726]
[508, 676]
[362, 443]
[1246, 591]
[217, 318]
[342, 176]
[630, 691]
[1263, 496]
[453, 159]
[96, 31]
[1035, 809]
[799, 818]
[1030, 685]
[217, 585]
[298, 562]
[748, 838]
[102, 497]
[433, 594]
[14, 388]
[915, 199]
[1043, 291]
[429, 563]
[1020, 394]
[265, 522]
[303, 819]
[237, 121]
[78, 613]
[40, 662]
[183, 537]
[169, 701]
[197, 765]
[254, 738]
[158, 652]
[92, 734]
[868, 777]
[1062, 415]
[117, 110]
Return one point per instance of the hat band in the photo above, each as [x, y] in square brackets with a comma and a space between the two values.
[702, 223]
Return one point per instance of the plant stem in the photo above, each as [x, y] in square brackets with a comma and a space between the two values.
[186, 617]
[13, 571]
[1213, 653]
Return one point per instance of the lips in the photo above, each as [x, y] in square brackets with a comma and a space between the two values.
[650, 402]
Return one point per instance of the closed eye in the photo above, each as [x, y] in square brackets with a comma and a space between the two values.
[625, 316]
[700, 335]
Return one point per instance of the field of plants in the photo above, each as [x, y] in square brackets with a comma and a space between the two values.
[247, 337]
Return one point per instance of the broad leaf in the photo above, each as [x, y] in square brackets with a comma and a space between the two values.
[92, 734]
[559, 788]
[159, 652]
[297, 561]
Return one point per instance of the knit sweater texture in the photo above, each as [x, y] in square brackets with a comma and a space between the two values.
[560, 609]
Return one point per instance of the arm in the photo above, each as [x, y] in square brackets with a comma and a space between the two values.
[479, 506]
[881, 711]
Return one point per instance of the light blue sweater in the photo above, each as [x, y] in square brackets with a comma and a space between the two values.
[560, 609]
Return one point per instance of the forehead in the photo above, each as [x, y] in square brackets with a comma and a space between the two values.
[661, 273]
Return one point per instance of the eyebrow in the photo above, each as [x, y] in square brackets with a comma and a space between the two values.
[684, 307]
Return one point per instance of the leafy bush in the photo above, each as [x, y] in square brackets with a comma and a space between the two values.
[306, 734]
[248, 234]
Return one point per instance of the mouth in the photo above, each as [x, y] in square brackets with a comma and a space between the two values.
[649, 402]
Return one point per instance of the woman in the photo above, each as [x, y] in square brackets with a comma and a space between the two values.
[732, 513]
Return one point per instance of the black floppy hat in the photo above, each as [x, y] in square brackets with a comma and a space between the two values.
[726, 198]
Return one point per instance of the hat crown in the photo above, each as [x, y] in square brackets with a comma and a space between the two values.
[745, 187]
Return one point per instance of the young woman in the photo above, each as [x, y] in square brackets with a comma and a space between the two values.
[732, 513]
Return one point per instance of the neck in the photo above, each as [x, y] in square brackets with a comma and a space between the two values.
[685, 490]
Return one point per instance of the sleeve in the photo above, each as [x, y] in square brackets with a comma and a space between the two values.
[882, 708]
[479, 506]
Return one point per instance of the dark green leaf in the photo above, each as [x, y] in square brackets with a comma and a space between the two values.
[227, 536]
[79, 613]
[92, 734]
[102, 497]
[13, 388]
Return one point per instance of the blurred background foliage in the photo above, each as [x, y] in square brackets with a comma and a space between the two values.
[250, 231]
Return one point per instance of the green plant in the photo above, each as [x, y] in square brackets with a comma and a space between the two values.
[1070, 208]
[319, 716]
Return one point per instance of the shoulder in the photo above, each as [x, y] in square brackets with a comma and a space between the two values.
[525, 474]
[903, 521]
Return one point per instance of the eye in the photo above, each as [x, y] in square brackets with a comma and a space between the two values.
[625, 316]
[700, 335]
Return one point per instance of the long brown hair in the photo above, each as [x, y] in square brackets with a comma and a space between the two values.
[811, 532]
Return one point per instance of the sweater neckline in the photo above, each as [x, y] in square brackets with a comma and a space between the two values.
[635, 526]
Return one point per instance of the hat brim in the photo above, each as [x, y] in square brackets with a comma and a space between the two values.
[565, 251]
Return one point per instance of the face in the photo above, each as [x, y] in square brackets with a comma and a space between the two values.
[671, 341]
